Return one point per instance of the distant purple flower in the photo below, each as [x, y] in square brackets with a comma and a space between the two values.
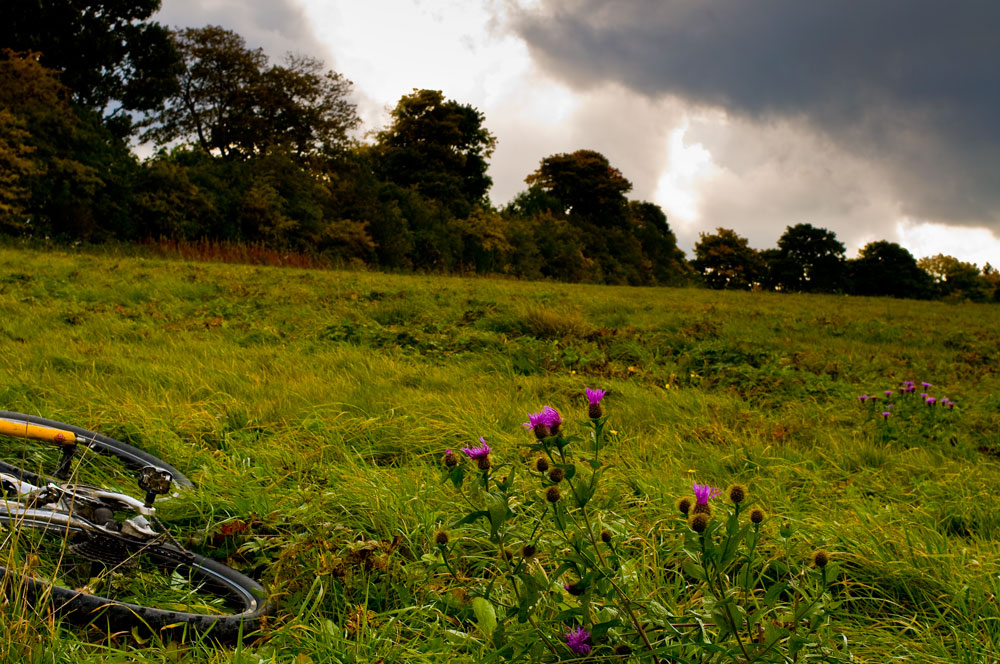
[931, 401]
[703, 492]
[594, 410]
[926, 385]
[577, 641]
[886, 414]
[477, 453]
[888, 393]
[908, 383]
[863, 398]
[923, 395]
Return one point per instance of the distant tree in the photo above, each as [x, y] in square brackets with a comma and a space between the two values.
[885, 268]
[589, 188]
[69, 175]
[992, 278]
[954, 278]
[725, 260]
[111, 57]
[532, 202]
[664, 260]
[809, 259]
[438, 147]
[232, 103]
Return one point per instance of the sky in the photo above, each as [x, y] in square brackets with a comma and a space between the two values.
[876, 120]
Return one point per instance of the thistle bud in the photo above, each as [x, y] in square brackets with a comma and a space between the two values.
[684, 506]
[702, 508]
[623, 650]
[553, 494]
[756, 515]
[574, 589]
[698, 522]
[737, 493]
[484, 462]
[528, 551]
[541, 464]
[557, 474]
[449, 459]
[441, 537]
[542, 431]
[606, 536]
[821, 558]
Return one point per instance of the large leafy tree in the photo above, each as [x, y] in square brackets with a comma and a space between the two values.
[885, 268]
[808, 259]
[438, 147]
[954, 278]
[665, 260]
[111, 57]
[588, 186]
[65, 174]
[233, 103]
[725, 260]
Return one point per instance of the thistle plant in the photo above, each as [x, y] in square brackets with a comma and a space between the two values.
[909, 413]
[548, 569]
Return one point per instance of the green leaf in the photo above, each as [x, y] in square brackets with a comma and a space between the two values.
[486, 615]
[771, 596]
[693, 570]
[470, 517]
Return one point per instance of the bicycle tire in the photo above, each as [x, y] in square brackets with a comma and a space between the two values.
[132, 457]
[248, 598]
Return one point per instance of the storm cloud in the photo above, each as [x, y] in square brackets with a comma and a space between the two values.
[908, 91]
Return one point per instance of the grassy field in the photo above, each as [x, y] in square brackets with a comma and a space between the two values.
[312, 408]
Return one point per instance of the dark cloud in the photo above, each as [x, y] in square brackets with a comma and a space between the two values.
[910, 86]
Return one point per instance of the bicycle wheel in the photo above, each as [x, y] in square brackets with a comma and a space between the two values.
[22, 452]
[90, 577]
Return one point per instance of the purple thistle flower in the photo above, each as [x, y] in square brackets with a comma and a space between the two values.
[863, 398]
[888, 393]
[577, 641]
[594, 397]
[703, 493]
[544, 423]
[926, 385]
[477, 453]
[923, 395]
[886, 414]
[931, 401]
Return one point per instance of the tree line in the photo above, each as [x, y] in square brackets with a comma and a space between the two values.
[250, 151]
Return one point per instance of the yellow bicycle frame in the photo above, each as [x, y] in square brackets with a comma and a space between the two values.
[37, 432]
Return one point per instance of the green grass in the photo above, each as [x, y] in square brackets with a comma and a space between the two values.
[314, 406]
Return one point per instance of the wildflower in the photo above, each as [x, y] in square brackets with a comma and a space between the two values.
[821, 558]
[528, 551]
[541, 464]
[574, 589]
[698, 522]
[930, 401]
[885, 415]
[863, 398]
[606, 536]
[552, 494]
[703, 493]
[888, 393]
[923, 395]
[544, 423]
[449, 459]
[737, 493]
[684, 505]
[926, 385]
[557, 475]
[441, 537]
[479, 454]
[594, 398]
[756, 515]
[577, 641]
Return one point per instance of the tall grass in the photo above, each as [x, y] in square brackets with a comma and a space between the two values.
[311, 408]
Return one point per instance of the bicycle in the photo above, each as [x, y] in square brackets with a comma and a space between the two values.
[100, 556]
